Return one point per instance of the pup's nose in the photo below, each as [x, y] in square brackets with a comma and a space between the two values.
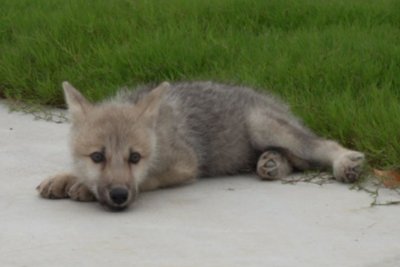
[119, 195]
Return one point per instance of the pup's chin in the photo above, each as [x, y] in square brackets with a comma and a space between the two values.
[113, 207]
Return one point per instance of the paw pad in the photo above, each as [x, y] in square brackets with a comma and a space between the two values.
[272, 165]
[348, 167]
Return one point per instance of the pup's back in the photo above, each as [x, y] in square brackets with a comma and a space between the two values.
[212, 118]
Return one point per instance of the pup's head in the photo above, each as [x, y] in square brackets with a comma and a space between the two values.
[113, 144]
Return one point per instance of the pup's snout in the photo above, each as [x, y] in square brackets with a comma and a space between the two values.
[119, 195]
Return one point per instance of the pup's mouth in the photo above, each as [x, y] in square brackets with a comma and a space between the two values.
[117, 198]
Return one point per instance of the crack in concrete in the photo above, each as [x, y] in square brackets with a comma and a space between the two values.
[369, 184]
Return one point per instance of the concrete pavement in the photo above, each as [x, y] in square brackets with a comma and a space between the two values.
[227, 221]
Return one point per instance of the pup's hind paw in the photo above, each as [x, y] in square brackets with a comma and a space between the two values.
[272, 165]
[347, 168]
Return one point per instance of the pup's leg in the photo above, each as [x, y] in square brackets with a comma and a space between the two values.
[274, 130]
[273, 165]
[174, 176]
[65, 186]
[182, 167]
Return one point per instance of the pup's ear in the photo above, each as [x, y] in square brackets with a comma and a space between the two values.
[149, 106]
[78, 106]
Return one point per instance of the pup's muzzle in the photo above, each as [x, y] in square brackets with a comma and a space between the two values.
[117, 197]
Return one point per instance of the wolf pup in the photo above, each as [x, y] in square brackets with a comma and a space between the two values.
[171, 134]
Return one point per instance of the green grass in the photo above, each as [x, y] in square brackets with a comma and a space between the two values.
[337, 62]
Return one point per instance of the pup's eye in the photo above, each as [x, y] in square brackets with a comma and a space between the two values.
[134, 157]
[97, 157]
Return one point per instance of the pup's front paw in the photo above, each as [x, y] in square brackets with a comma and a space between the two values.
[347, 167]
[80, 192]
[57, 186]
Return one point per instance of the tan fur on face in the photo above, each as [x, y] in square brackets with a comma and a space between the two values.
[116, 131]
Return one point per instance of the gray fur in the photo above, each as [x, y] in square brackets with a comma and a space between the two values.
[213, 119]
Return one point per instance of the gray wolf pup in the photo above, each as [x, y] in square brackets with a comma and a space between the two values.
[165, 135]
